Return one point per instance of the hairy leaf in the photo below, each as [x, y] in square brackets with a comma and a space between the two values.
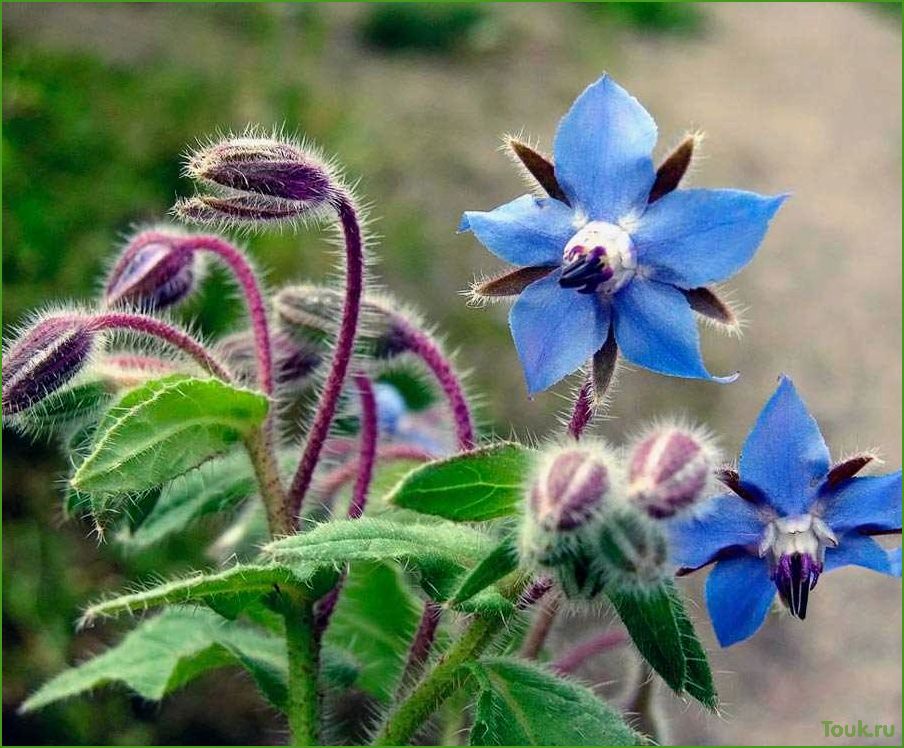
[441, 552]
[167, 651]
[165, 428]
[216, 486]
[373, 622]
[518, 703]
[64, 410]
[228, 592]
[662, 632]
[501, 561]
[470, 487]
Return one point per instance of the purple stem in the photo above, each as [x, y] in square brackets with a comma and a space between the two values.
[422, 644]
[583, 411]
[257, 311]
[580, 653]
[542, 625]
[421, 344]
[534, 593]
[146, 325]
[368, 450]
[342, 356]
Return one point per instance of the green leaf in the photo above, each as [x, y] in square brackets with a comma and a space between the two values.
[662, 632]
[228, 592]
[501, 561]
[165, 428]
[65, 409]
[471, 487]
[217, 486]
[521, 704]
[167, 651]
[374, 621]
[441, 552]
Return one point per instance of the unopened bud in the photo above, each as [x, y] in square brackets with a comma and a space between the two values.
[43, 359]
[155, 271]
[293, 360]
[313, 313]
[632, 548]
[264, 166]
[669, 469]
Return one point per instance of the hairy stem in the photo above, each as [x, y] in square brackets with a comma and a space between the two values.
[539, 630]
[368, 448]
[422, 345]
[302, 705]
[583, 410]
[342, 356]
[269, 482]
[145, 325]
[404, 721]
[421, 644]
[585, 650]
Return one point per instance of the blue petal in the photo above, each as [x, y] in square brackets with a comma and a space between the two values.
[785, 456]
[655, 328]
[718, 524]
[603, 152]
[556, 330]
[872, 503]
[527, 231]
[739, 594]
[697, 237]
[861, 550]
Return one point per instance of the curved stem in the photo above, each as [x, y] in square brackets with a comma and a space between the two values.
[540, 629]
[345, 343]
[585, 650]
[266, 470]
[422, 644]
[422, 345]
[583, 410]
[368, 449]
[257, 311]
[141, 323]
[438, 685]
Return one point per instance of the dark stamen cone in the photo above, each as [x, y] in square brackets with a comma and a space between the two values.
[673, 169]
[705, 301]
[43, 360]
[539, 167]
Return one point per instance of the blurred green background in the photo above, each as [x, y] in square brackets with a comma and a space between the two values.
[100, 101]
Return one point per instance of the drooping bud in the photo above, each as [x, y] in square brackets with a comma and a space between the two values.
[155, 271]
[567, 494]
[669, 469]
[313, 313]
[293, 360]
[43, 359]
[259, 180]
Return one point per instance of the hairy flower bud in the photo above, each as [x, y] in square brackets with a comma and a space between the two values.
[293, 360]
[154, 272]
[633, 549]
[313, 313]
[566, 495]
[43, 359]
[669, 468]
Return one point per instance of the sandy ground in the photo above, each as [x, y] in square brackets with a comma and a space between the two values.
[793, 97]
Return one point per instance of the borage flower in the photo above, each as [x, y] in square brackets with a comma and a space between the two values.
[615, 249]
[791, 516]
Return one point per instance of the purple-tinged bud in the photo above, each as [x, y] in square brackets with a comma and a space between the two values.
[43, 359]
[264, 166]
[669, 469]
[293, 360]
[155, 271]
[570, 490]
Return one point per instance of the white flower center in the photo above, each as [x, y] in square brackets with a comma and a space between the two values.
[598, 258]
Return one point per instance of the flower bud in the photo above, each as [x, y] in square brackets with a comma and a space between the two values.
[566, 495]
[43, 359]
[264, 166]
[669, 469]
[313, 313]
[155, 272]
[632, 549]
[293, 361]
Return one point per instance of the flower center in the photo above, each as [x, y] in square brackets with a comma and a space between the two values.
[599, 257]
[796, 551]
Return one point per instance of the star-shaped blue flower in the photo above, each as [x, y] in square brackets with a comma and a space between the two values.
[620, 248]
[791, 516]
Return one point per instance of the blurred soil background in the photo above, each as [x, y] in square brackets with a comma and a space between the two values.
[99, 101]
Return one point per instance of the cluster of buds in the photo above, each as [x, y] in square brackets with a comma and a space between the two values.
[593, 518]
[258, 180]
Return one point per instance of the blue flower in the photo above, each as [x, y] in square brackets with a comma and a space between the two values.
[621, 251]
[790, 517]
